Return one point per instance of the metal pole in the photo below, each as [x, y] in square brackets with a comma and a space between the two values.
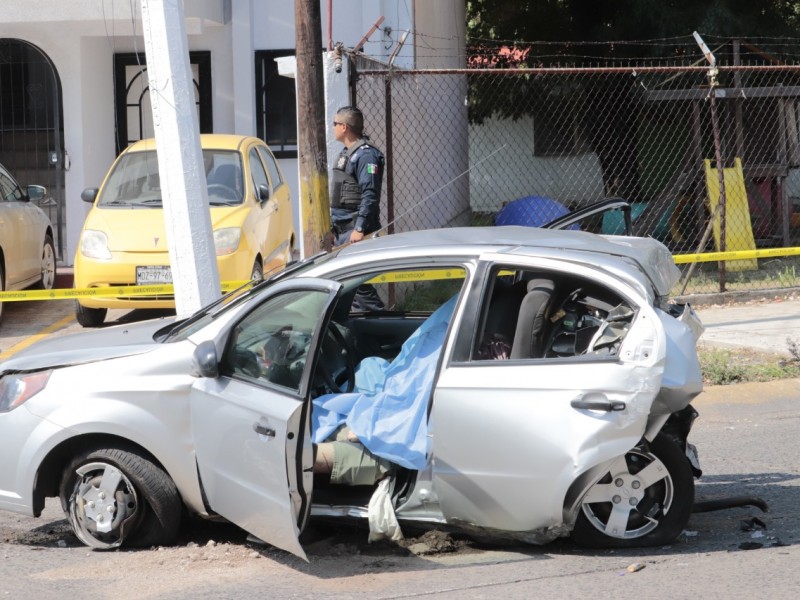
[389, 161]
[712, 84]
[721, 179]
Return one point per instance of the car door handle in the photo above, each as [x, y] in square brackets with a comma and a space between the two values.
[263, 430]
[597, 404]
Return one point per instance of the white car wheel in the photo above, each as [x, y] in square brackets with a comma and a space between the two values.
[48, 278]
[645, 499]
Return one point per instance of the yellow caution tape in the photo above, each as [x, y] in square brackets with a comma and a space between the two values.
[735, 255]
[426, 275]
[392, 277]
[102, 292]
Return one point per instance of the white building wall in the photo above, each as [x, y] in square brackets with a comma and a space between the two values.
[504, 168]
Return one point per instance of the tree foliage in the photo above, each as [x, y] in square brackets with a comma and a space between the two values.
[613, 20]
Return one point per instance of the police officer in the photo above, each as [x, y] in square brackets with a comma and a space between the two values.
[357, 177]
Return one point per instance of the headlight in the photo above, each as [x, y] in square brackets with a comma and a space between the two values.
[16, 389]
[226, 240]
[94, 244]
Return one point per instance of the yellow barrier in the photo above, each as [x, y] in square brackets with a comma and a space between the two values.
[738, 230]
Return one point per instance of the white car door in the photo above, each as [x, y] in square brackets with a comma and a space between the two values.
[511, 436]
[251, 424]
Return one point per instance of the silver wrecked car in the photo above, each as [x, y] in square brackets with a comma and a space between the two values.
[529, 382]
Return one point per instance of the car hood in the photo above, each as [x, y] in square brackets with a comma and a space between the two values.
[143, 230]
[88, 346]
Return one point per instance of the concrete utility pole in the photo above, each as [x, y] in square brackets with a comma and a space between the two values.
[313, 161]
[180, 160]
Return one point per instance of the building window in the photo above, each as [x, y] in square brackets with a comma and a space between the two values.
[276, 105]
[132, 96]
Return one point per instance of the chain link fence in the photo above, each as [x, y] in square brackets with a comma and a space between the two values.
[709, 160]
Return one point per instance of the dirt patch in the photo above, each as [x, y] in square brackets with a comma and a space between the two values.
[339, 540]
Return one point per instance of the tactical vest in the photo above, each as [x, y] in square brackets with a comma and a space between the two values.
[346, 192]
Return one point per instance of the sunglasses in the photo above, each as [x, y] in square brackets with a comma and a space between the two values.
[335, 123]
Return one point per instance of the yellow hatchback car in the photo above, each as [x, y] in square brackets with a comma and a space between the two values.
[124, 242]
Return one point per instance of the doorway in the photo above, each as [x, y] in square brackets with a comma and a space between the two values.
[32, 126]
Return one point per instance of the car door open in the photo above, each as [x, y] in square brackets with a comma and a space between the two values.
[251, 423]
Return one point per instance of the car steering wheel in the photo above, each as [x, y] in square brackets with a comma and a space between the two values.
[336, 364]
[222, 191]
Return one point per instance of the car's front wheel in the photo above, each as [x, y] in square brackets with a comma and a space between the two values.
[48, 277]
[114, 497]
[644, 500]
[89, 317]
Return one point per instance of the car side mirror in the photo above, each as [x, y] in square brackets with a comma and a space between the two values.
[263, 193]
[36, 192]
[89, 194]
[204, 360]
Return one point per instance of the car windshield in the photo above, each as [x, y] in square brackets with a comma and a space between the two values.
[183, 329]
[135, 181]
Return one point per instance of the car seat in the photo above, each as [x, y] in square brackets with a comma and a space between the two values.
[501, 320]
[533, 323]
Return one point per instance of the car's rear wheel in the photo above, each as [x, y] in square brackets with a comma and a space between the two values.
[89, 317]
[645, 499]
[48, 278]
[114, 497]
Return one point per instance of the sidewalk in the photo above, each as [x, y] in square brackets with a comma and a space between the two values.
[766, 325]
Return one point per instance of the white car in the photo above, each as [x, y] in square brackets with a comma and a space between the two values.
[27, 253]
[536, 383]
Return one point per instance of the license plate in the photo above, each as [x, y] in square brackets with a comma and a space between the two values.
[151, 275]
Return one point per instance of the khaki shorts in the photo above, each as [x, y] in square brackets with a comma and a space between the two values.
[353, 464]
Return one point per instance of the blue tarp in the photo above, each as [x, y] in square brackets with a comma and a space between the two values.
[532, 211]
[388, 409]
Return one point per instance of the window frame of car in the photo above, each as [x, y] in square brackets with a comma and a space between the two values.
[258, 174]
[260, 318]
[353, 278]
[11, 191]
[471, 328]
[273, 169]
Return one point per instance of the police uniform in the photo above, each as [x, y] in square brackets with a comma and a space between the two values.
[355, 201]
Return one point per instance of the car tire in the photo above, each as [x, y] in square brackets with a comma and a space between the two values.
[665, 499]
[258, 272]
[89, 317]
[48, 278]
[141, 500]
